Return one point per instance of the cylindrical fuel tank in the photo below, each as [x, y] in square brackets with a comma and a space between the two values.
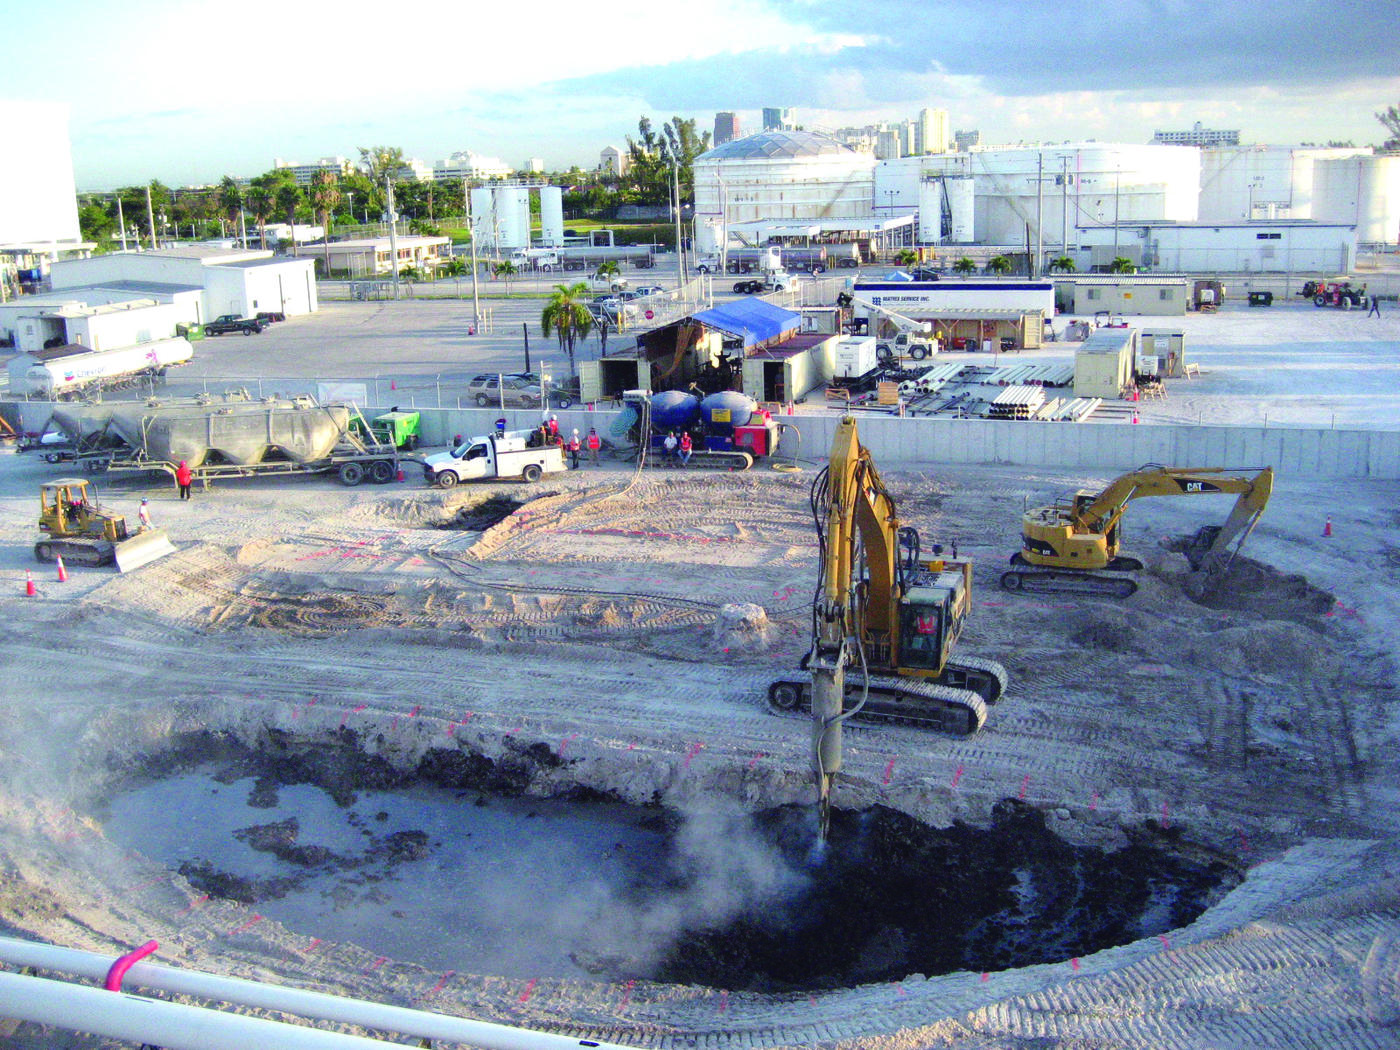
[726, 410]
[674, 408]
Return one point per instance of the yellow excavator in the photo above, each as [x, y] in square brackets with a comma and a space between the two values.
[84, 533]
[886, 614]
[1072, 547]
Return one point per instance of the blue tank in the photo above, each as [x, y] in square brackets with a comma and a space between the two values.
[726, 410]
[672, 409]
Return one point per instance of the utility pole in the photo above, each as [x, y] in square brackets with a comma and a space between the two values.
[680, 254]
[121, 221]
[151, 218]
[393, 228]
[471, 231]
[1039, 210]
[1064, 205]
[1117, 178]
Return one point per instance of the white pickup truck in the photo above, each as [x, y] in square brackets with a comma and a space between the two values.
[514, 454]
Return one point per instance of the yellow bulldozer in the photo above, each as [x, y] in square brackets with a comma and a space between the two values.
[80, 531]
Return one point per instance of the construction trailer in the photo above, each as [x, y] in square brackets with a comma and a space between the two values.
[1143, 294]
[1105, 364]
[791, 369]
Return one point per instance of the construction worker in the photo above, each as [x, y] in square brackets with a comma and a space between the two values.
[143, 515]
[574, 445]
[184, 477]
[1375, 306]
[685, 448]
[553, 425]
[671, 444]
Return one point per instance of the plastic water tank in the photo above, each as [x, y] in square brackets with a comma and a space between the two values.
[673, 408]
[726, 410]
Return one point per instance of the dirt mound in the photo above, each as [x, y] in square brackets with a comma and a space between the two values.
[1252, 586]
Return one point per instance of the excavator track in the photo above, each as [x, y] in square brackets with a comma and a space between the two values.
[986, 678]
[707, 459]
[902, 701]
[1110, 582]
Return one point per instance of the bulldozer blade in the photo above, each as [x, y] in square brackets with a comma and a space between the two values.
[142, 549]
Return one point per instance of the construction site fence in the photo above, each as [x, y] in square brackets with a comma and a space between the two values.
[1293, 451]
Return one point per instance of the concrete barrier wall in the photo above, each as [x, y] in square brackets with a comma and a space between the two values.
[1294, 452]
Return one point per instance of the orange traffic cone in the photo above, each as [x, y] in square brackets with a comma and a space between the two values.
[1135, 415]
[29, 589]
[1327, 528]
[62, 572]
[400, 477]
[393, 384]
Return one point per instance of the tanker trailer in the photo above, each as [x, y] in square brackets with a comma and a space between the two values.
[83, 375]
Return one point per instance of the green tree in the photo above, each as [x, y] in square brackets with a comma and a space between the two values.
[567, 316]
[1122, 264]
[1390, 120]
[325, 195]
[456, 266]
[381, 164]
[999, 264]
[288, 200]
[906, 257]
[507, 269]
[259, 202]
[1063, 264]
[652, 155]
[94, 222]
[606, 270]
[230, 199]
[964, 265]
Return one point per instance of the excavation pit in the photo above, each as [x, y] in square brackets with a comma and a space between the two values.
[451, 868]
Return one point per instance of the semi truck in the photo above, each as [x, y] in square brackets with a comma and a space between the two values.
[232, 436]
[524, 454]
[87, 373]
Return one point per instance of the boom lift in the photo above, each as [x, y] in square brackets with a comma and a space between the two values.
[884, 613]
[1072, 547]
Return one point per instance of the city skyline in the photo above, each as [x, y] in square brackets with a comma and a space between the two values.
[148, 100]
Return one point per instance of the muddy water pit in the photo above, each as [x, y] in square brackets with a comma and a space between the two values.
[452, 869]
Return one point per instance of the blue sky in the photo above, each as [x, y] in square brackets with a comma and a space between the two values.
[189, 90]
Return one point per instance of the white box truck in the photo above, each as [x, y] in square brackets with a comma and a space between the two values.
[522, 454]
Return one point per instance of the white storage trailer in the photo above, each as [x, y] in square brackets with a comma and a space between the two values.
[83, 374]
[1104, 364]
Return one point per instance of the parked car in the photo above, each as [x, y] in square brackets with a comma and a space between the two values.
[521, 390]
[642, 291]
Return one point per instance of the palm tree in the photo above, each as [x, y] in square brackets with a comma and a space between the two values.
[381, 163]
[260, 204]
[999, 264]
[325, 195]
[231, 199]
[567, 316]
[288, 199]
[454, 267]
[964, 265]
[1122, 264]
[507, 269]
[606, 270]
[1063, 264]
[906, 257]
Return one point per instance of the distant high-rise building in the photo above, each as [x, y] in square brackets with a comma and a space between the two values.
[612, 161]
[965, 140]
[932, 131]
[304, 173]
[465, 164]
[534, 165]
[777, 118]
[1197, 136]
[726, 128]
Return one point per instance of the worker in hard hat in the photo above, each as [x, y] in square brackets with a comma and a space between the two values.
[143, 515]
[574, 445]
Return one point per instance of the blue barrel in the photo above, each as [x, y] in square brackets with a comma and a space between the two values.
[726, 410]
[672, 409]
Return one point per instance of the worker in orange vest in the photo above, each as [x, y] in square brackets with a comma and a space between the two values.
[574, 445]
[685, 449]
[594, 444]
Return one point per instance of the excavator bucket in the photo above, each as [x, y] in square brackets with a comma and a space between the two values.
[142, 549]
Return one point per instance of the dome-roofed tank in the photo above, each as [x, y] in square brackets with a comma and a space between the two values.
[727, 409]
[674, 408]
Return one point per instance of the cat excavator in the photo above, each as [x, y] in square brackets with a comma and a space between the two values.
[885, 614]
[1072, 547]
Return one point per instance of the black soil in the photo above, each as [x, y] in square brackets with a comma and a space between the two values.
[891, 897]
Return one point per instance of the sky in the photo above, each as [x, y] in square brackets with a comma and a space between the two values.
[187, 91]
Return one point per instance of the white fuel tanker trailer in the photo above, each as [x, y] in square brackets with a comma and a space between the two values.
[86, 373]
[228, 437]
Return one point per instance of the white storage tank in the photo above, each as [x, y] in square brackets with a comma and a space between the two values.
[483, 217]
[512, 217]
[1360, 190]
[551, 216]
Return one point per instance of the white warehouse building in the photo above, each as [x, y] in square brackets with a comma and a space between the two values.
[1085, 184]
[779, 175]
